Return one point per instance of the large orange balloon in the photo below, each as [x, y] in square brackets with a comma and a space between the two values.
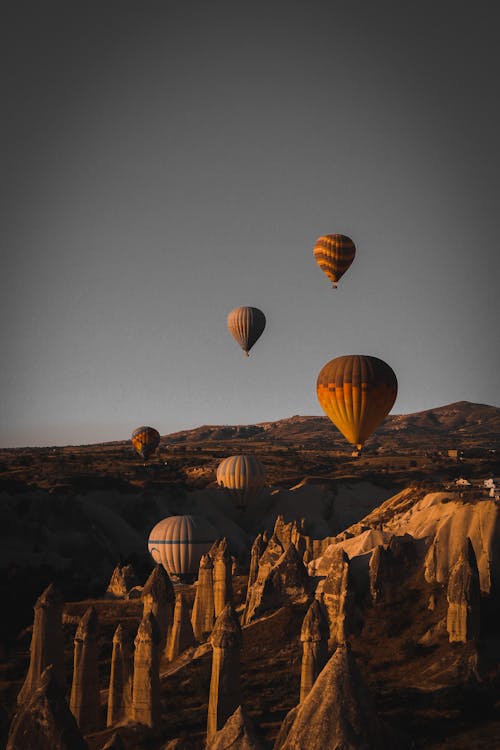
[357, 392]
[334, 253]
[145, 441]
[246, 325]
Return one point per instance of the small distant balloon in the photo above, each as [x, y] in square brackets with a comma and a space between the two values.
[242, 477]
[334, 253]
[246, 325]
[357, 392]
[145, 441]
[178, 542]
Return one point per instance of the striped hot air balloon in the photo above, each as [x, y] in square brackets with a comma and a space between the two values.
[334, 253]
[145, 441]
[246, 325]
[357, 392]
[242, 478]
[178, 542]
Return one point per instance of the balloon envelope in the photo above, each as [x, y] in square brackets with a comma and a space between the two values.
[242, 477]
[334, 253]
[246, 325]
[178, 542]
[145, 441]
[357, 392]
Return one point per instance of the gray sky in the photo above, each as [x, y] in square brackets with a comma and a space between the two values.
[164, 162]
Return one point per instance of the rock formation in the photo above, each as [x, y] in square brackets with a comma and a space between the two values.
[121, 678]
[337, 713]
[463, 594]
[225, 689]
[258, 548]
[238, 733]
[314, 637]
[223, 579]
[203, 614]
[181, 634]
[115, 743]
[338, 598]
[390, 566]
[46, 641]
[85, 696]
[146, 685]
[123, 580]
[44, 721]
[158, 598]
[291, 533]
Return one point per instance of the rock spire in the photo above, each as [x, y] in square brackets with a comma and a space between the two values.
[238, 733]
[181, 634]
[223, 577]
[314, 637]
[158, 598]
[338, 598]
[225, 688]
[85, 695]
[121, 678]
[203, 615]
[463, 594]
[146, 685]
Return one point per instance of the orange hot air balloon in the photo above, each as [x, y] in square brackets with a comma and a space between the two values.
[334, 253]
[357, 392]
[145, 441]
[246, 325]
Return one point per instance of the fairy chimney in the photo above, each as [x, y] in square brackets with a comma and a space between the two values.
[158, 597]
[46, 641]
[337, 598]
[121, 678]
[85, 696]
[314, 637]
[203, 615]
[181, 634]
[463, 594]
[146, 684]
[225, 688]
[223, 578]
[238, 733]
[123, 579]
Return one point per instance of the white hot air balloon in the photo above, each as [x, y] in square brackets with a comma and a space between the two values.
[242, 478]
[178, 542]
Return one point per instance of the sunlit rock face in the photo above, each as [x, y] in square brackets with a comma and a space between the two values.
[123, 580]
[463, 595]
[181, 635]
[44, 721]
[203, 614]
[238, 733]
[159, 598]
[146, 685]
[225, 686]
[338, 598]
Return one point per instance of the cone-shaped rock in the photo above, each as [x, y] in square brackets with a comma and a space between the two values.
[238, 733]
[159, 598]
[463, 594]
[44, 721]
[123, 579]
[223, 578]
[258, 548]
[337, 714]
[121, 678]
[181, 634]
[203, 615]
[338, 598]
[225, 688]
[85, 695]
[146, 686]
[47, 645]
[314, 637]
[114, 743]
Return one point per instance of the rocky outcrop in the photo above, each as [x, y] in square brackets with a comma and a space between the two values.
[123, 580]
[287, 581]
[463, 594]
[203, 614]
[44, 721]
[291, 533]
[223, 578]
[314, 637]
[225, 688]
[47, 645]
[258, 548]
[338, 599]
[238, 733]
[146, 685]
[181, 634]
[121, 678]
[391, 566]
[158, 598]
[85, 696]
[337, 713]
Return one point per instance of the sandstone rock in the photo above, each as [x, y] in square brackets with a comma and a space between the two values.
[181, 634]
[146, 685]
[337, 714]
[121, 678]
[203, 614]
[123, 580]
[463, 594]
[390, 567]
[44, 721]
[222, 577]
[290, 533]
[225, 688]
[115, 743]
[47, 646]
[258, 548]
[338, 598]
[85, 696]
[158, 598]
[238, 733]
[314, 637]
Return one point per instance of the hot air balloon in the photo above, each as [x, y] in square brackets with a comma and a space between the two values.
[357, 392]
[178, 542]
[242, 478]
[246, 325]
[334, 253]
[145, 440]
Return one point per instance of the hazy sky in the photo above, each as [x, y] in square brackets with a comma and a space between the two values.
[164, 162]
